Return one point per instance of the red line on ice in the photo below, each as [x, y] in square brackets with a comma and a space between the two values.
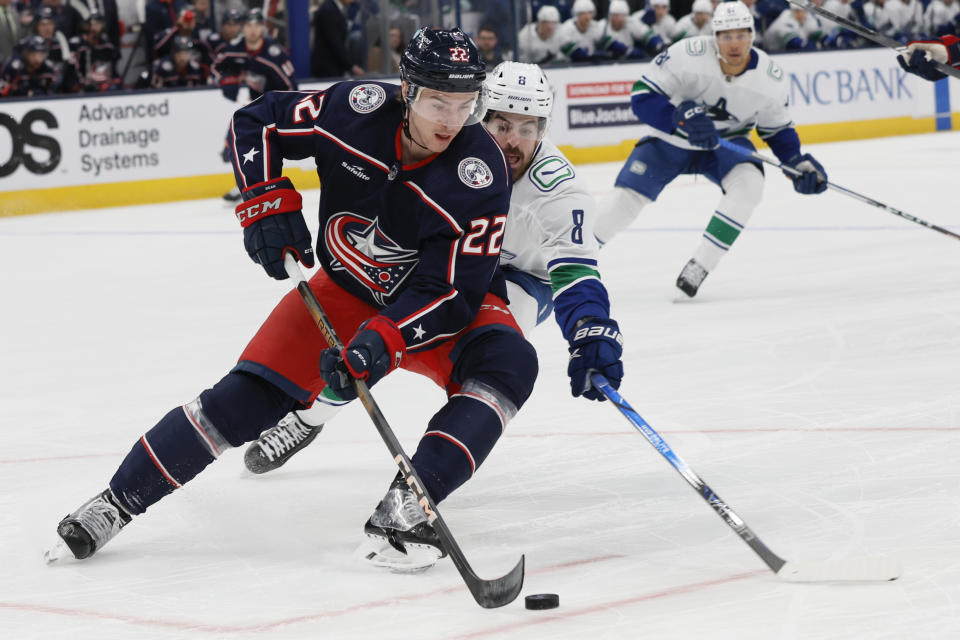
[186, 625]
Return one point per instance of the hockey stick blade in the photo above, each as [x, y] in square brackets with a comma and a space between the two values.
[844, 570]
[489, 594]
[856, 569]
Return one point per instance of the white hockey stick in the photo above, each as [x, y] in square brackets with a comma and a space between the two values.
[867, 569]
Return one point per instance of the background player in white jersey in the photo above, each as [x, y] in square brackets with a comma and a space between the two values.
[628, 37]
[580, 34]
[695, 23]
[548, 256]
[795, 29]
[539, 41]
[697, 90]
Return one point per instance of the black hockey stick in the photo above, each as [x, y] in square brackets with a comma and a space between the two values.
[488, 593]
[853, 569]
[726, 144]
[869, 34]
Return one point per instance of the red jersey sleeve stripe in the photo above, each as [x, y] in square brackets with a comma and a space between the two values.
[433, 205]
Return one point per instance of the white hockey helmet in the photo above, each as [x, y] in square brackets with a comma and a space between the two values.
[702, 6]
[732, 15]
[519, 87]
[660, 3]
[618, 7]
[584, 6]
[548, 13]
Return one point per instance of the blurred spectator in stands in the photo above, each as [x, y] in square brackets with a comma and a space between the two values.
[907, 19]
[395, 49]
[497, 16]
[940, 18]
[230, 26]
[539, 42]
[95, 57]
[695, 23]
[67, 19]
[179, 69]
[108, 12]
[10, 29]
[579, 35]
[204, 19]
[331, 57]
[657, 15]
[255, 61]
[794, 30]
[186, 25]
[487, 44]
[624, 37]
[161, 15]
[31, 74]
[44, 25]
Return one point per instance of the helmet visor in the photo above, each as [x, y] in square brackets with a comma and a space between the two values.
[445, 108]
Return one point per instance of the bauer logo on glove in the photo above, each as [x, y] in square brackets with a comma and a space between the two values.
[598, 330]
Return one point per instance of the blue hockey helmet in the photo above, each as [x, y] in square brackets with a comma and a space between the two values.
[443, 60]
[234, 15]
[36, 43]
[182, 43]
[254, 15]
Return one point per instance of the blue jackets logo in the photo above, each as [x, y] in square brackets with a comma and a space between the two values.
[359, 247]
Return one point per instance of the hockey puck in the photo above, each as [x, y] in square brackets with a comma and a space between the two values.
[542, 601]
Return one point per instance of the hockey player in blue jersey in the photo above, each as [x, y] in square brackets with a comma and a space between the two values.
[412, 216]
[549, 258]
[255, 61]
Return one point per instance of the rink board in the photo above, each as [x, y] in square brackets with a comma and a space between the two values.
[94, 151]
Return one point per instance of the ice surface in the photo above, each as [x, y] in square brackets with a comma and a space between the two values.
[813, 383]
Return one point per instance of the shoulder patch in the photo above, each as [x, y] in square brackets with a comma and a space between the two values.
[274, 50]
[775, 71]
[475, 173]
[365, 98]
[550, 172]
[166, 65]
[695, 46]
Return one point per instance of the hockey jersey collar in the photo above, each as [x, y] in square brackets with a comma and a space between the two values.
[754, 61]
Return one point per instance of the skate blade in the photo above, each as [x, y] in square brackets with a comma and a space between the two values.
[56, 552]
[377, 551]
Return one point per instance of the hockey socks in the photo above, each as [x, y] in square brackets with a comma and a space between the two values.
[236, 410]
[459, 438]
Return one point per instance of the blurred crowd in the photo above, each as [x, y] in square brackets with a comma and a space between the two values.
[68, 46]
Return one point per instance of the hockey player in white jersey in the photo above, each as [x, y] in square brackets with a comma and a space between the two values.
[628, 37]
[658, 17]
[696, 91]
[580, 35]
[795, 29]
[695, 23]
[549, 258]
[539, 42]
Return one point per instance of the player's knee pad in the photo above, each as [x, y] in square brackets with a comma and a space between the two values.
[743, 189]
[503, 361]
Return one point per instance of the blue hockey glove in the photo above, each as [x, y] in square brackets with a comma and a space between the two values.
[814, 176]
[920, 65]
[691, 119]
[273, 224]
[376, 349]
[596, 345]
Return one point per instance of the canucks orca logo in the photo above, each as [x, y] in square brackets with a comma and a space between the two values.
[719, 113]
[363, 250]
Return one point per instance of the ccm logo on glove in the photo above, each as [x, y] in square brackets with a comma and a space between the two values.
[598, 330]
[247, 213]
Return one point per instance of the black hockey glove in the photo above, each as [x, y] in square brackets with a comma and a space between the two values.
[692, 121]
[921, 57]
[813, 178]
[273, 224]
[596, 345]
[376, 349]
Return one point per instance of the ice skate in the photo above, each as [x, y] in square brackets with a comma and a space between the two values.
[399, 537]
[232, 196]
[278, 444]
[86, 530]
[691, 278]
